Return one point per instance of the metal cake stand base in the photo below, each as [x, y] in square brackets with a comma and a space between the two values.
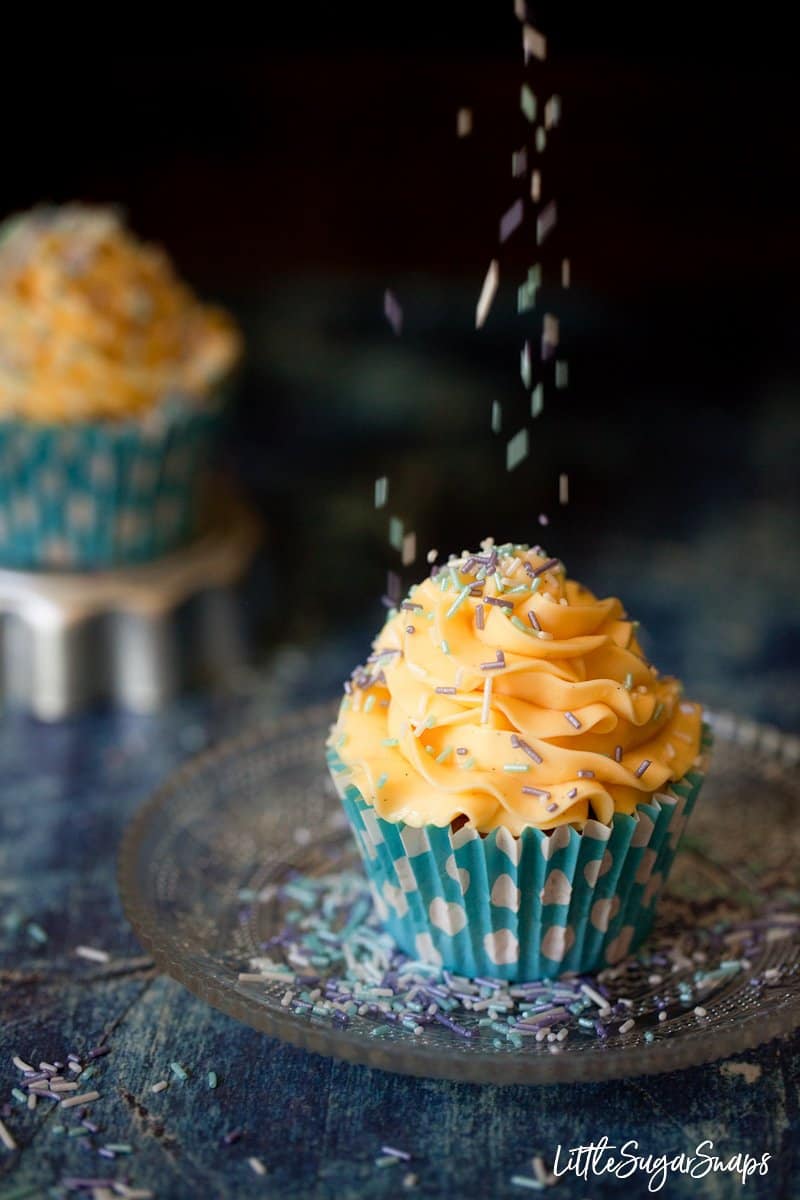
[131, 635]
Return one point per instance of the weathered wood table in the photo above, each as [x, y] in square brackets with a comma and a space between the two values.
[316, 1125]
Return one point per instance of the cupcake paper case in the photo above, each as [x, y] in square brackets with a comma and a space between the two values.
[112, 386]
[529, 840]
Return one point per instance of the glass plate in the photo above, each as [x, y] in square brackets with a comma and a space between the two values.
[250, 813]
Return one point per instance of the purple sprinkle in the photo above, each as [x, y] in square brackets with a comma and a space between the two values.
[573, 720]
[534, 791]
[551, 808]
[411, 606]
[511, 220]
[479, 617]
[498, 603]
[406, 1157]
[233, 1136]
[493, 666]
[445, 691]
[534, 620]
[99, 1052]
[476, 591]
[642, 767]
[618, 754]
[459, 1029]
[462, 750]
[90, 1125]
[572, 793]
[534, 572]
[411, 629]
[518, 744]
[106, 1153]
[585, 774]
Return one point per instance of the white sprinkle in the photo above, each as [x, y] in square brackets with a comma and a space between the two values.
[6, 1138]
[251, 977]
[536, 186]
[626, 1025]
[594, 996]
[563, 489]
[662, 1016]
[432, 555]
[31, 1100]
[159, 1087]
[85, 1098]
[540, 1170]
[409, 551]
[256, 1166]
[409, 1180]
[20, 1064]
[488, 291]
[552, 112]
[565, 273]
[517, 449]
[464, 122]
[487, 700]
[89, 952]
[699, 1011]
[546, 221]
[63, 1087]
[534, 43]
[550, 333]
[381, 491]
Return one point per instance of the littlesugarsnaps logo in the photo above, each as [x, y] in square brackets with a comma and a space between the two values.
[625, 1161]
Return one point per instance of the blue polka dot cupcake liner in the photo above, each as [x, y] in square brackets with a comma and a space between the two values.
[91, 495]
[532, 907]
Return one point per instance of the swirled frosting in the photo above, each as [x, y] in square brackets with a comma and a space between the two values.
[502, 693]
[95, 324]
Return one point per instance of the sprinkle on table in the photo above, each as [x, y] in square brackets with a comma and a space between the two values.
[6, 1138]
[393, 312]
[179, 1071]
[256, 1166]
[92, 955]
[85, 1098]
[488, 292]
[160, 1086]
[464, 122]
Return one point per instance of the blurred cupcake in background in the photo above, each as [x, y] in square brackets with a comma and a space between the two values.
[112, 383]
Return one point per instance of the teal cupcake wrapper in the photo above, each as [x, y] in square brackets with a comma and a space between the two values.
[531, 907]
[104, 493]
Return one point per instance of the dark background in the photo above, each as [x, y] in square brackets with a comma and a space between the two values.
[296, 179]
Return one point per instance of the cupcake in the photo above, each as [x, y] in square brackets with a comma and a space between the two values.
[112, 376]
[516, 773]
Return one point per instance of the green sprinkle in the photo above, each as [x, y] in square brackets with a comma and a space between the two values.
[212, 1079]
[430, 722]
[527, 102]
[537, 400]
[386, 1160]
[381, 781]
[124, 1147]
[444, 582]
[541, 139]
[515, 768]
[178, 1071]
[498, 581]
[456, 605]
[370, 704]
[562, 373]
[648, 1035]
[522, 627]
[396, 533]
[658, 710]
[57, 1129]
[468, 765]
[628, 681]
[443, 757]
[429, 616]
[36, 932]
[390, 742]
[445, 647]
[77, 1131]
[537, 583]
[497, 416]
[18, 1094]
[527, 1181]
[341, 741]
[516, 591]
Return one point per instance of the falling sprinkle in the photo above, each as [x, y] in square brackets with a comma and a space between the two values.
[256, 1166]
[536, 186]
[563, 488]
[393, 312]
[497, 416]
[409, 549]
[565, 273]
[511, 220]
[525, 365]
[552, 112]
[543, 519]
[546, 221]
[537, 400]
[540, 139]
[519, 162]
[534, 43]
[381, 491]
[550, 334]
[396, 533]
[488, 291]
[517, 449]
[431, 556]
[464, 122]
[562, 373]
[527, 102]
[92, 955]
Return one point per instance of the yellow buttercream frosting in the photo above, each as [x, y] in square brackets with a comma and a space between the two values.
[95, 324]
[505, 694]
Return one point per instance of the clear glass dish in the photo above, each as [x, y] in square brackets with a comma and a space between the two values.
[245, 816]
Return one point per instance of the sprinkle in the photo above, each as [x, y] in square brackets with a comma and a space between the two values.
[626, 1026]
[488, 291]
[462, 750]
[535, 791]
[535, 572]
[369, 704]
[393, 312]
[395, 535]
[563, 489]
[525, 365]
[658, 710]
[536, 186]
[178, 1071]
[527, 102]
[403, 1154]
[618, 754]
[519, 162]
[517, 449]
[628, 681]
[86, 1098]
[511, 220]
[526, 1181]
[409, 549]
[515, 768]
[487, 700]
[459, 600]
[443, 757]
[230, 1138]
[583, 774]
[497, 665]
[552, 112]
[562, 373]
[497, 416]
[212, 1079]
[534, 620]
[573, 720]
[256, 1166]
[431, 556]
[540, 139]
[534, 43]
[392, 741]
[6, 1138]
[537, 402]
[572, 793]
[381, 781]
[36, 932]
[381, 491]
[642, 767]
[546, 221]
[89, 952]
[445, 646]
[517, 743]
[409, 1181]
[20, 1064]
[464, 122]
[496, 602]
[565, 273]
[411, 629]
[699, 1011]
[160, 1086]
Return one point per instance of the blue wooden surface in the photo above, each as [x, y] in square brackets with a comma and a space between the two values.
[318, 1125]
